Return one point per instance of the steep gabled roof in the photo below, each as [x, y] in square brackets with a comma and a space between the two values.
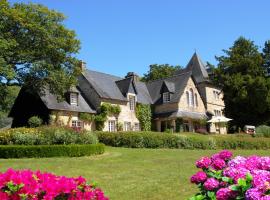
[168, 86]
[179, 81]
[115, 88]
[51, 103]
[197, 67]
[126, 86]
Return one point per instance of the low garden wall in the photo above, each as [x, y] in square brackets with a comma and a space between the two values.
[181, 141]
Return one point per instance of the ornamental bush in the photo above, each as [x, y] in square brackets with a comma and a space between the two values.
[222, 177]
[35, 185]
[34, 121]
[46, 135]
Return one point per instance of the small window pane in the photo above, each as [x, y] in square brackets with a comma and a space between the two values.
[73, 98]
[132, 102]
[111, 126]
[166, 97]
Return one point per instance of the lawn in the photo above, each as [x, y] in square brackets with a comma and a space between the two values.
[130, 173]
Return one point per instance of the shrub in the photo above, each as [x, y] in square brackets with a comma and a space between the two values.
[224, 178]
[263, 131]
[182, 141]
[30, 151]
[46, 135]
[26, 184]
[34, 121]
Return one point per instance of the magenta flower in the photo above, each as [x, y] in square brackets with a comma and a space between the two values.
[211, 184]
[218, 164]
[199, 177]
[225, 194]
[225, 155]
[203, 163]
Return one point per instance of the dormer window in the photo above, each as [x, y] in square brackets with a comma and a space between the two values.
[74, 98]
[166, 97]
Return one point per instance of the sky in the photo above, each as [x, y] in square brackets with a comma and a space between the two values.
[120, 36]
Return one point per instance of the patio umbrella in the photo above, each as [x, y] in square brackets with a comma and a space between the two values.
[217, 119]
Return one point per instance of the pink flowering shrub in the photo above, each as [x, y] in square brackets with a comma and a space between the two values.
[29, 185]
[225, 178]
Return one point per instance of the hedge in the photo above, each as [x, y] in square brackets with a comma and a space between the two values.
[30, 151]
[187, 141]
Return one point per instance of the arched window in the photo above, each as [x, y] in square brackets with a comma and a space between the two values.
[196, 100]
[191, 103]
[187, 97]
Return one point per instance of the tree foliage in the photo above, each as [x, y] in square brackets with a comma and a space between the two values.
[241, 76]
[266, 56]
[36, 49]
[160, 71]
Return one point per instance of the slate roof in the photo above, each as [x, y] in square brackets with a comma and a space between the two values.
[51, 102]
[113, 87]
[197, 67]
[179, 82]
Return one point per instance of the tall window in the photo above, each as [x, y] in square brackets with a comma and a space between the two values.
[112, 127]
[216, 94]
[131, 102]
[196, 100]
[166, 97]
[191, 103]
[127, 126]
[136, 127]
[187, 97]
[74, 99]
[217, 112]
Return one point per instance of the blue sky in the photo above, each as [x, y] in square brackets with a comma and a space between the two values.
[118, 36]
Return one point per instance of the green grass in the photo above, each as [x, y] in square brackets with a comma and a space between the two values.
[136, 174]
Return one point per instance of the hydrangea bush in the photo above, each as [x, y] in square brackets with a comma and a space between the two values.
[222, 177]
[29, 185]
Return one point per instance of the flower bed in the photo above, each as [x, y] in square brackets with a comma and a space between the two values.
[224, 178]
[26, 184]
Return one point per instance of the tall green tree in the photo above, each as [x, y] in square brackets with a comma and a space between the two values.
[266, 56]
[160, 71]
[36, 49]
[246, 89]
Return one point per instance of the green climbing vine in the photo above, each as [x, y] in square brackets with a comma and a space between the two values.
[105, 110]
[144, 115]
[86, 117]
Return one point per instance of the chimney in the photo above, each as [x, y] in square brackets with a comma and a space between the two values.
[133, 75]
[82, 65]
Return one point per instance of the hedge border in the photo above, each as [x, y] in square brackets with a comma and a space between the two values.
[178, 141]
[41, 151]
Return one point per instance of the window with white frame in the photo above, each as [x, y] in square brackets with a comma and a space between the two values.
[112, 126]
[196, 100]
[76, 124]
[217, 112]
[136, 127]
[191, 99]
[131, 102]
[187, 97]
[216, 94]
[74, 98]
[127, 126]
[166, 97]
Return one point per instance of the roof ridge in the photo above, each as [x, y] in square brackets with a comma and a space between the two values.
[104, 73]
[169, 77]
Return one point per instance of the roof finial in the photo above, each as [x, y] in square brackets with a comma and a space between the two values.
[195, 50]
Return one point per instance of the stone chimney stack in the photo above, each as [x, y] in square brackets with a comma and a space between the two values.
[82, 65]
[133, 75]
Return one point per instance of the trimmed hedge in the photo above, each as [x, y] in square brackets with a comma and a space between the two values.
[180, 141]
[30, 151]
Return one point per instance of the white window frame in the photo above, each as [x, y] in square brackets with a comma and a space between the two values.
[137, 126]
[112, 125]
[73, 98]
[76, 124]
[166, 97]
[127, 126]
[217, 113]
[132, 102]
[191, 97]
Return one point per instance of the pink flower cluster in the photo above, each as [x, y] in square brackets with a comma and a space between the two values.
[26, 184]
[238, 178]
